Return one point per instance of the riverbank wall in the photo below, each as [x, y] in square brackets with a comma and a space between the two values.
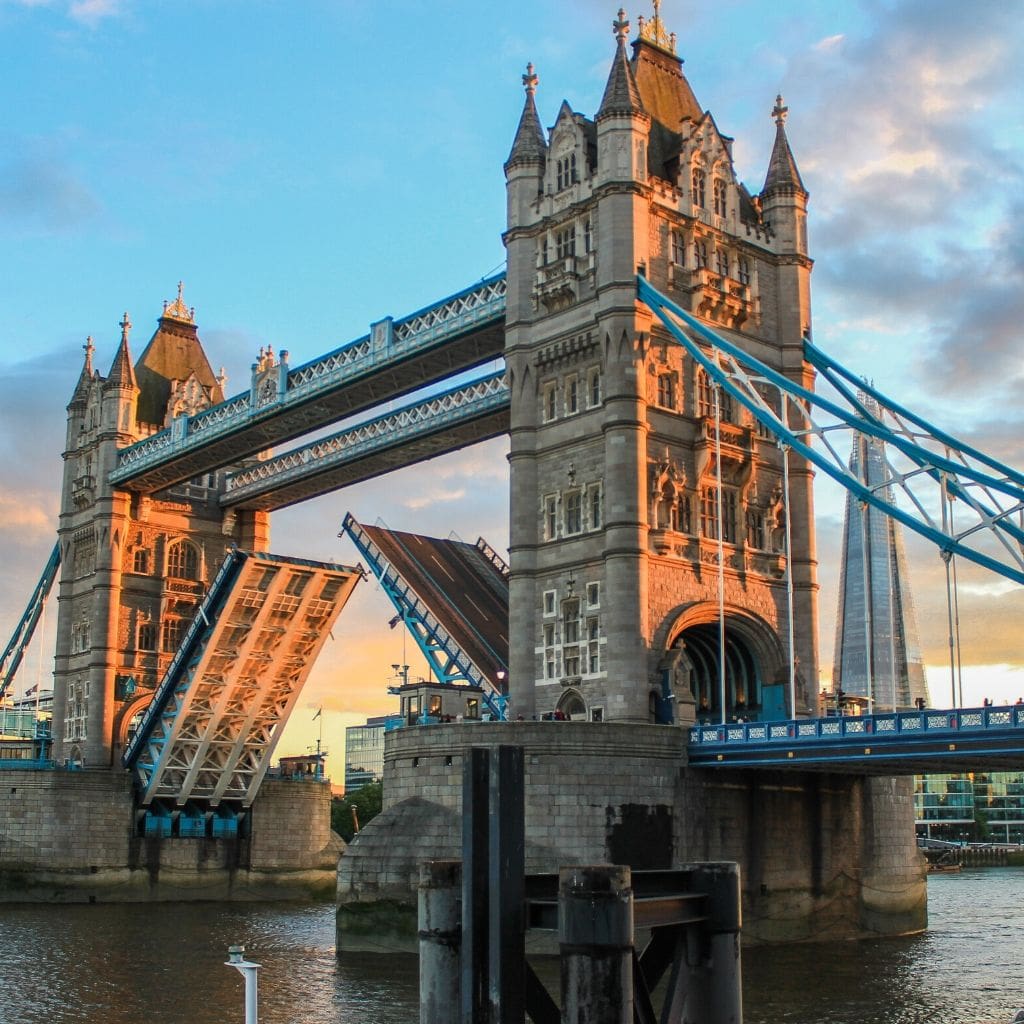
[819, 854]
[70, 837]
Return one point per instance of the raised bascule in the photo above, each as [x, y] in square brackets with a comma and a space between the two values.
[652, 643]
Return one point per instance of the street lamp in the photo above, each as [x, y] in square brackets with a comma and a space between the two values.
[248, 970]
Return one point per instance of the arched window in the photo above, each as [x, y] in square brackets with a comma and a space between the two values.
[699, 182]
[719, 197]
[183, 561]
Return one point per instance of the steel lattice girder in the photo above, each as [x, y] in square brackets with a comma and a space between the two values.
[935, 468]
[10, 660]
[217, 716]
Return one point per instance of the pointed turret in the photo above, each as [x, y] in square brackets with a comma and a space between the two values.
[782, 171]
[530, 146]
[121, 373]
[621, 95]
[81, 392]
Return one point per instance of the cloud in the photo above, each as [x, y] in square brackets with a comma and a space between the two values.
[92, 11]
[43, 191]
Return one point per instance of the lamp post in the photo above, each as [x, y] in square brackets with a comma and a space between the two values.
[248, 970]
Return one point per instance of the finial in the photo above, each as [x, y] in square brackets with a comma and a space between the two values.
[621, 27]
[89, 349]
[126, 326]
[181, 292]
[530, 80]
[653, 31]
[779, 112]
[177, 310]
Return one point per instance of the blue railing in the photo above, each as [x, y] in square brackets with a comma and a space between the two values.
[879, 727]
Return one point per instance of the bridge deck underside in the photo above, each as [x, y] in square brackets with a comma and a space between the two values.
[215, 719]
[302, 411]
[371, 449]
[906, 743]
[465, 591]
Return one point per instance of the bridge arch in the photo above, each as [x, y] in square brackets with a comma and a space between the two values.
[754, 659]
[125, 716]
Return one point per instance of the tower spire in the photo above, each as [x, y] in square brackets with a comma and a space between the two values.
[529, 145]
[81, 392]
[122, 375]
[621, 96]
[782, 170]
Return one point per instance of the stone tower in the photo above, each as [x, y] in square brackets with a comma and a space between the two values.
[614, 546]
[133, 568]
[876, 624]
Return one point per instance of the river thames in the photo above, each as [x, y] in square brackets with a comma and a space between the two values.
[163, 964]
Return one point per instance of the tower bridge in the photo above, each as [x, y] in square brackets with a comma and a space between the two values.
[657, 388]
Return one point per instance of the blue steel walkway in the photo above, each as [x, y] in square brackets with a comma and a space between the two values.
[887, 743]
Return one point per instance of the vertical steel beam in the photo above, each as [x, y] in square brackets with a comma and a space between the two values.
[475, 833]
[507, 864]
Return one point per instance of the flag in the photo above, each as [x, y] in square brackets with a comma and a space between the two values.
[317, 715]
[31, 690]
[394, 622]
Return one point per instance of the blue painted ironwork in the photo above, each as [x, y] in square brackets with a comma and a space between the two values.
[886, 740]
[389, 343]
[14, 652]
[447, 660]
[438, 415]
[953, 469]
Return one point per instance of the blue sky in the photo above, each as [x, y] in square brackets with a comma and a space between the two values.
[307, 167]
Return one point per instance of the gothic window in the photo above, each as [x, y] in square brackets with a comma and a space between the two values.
[147, 636]
[700, 254]
[721, 262]
[550, 596]
[573, 513]
[183, 561]
[719, 197]
[678, 248]
[565, 242]
[550, 400]
[756, 529]
[593, 595]
[544, 250]
[571, 637]
[140, 561]
[550, 517]
[699, 182]
[706, 398]
[593, 646]
[594, 387]
[81, 636]
[743, 271]
[565, 171]
[173, 631]
[667, 390]
[572, 395]
[709, 514]
[594, 506]
[588, 242]
[84, 561]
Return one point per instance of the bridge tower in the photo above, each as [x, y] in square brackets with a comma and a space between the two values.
[614, 595]
[133, 567]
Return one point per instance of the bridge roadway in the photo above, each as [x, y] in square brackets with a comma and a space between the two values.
[395, 359]
[887, 743]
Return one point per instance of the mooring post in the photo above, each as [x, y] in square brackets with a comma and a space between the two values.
[440, 935]
[714, 993]
[595, 925]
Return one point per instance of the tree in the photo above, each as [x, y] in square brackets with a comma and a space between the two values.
[366, 801]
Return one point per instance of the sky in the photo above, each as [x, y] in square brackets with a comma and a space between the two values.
[308, 167]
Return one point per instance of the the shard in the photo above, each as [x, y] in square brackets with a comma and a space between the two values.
[878, 653]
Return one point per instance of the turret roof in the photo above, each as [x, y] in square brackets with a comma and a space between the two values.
[782, 169]
[621, 95]
[174, 353]
[530, 144]
[121, 373]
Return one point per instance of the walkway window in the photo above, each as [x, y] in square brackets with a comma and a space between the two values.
[183, 561]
